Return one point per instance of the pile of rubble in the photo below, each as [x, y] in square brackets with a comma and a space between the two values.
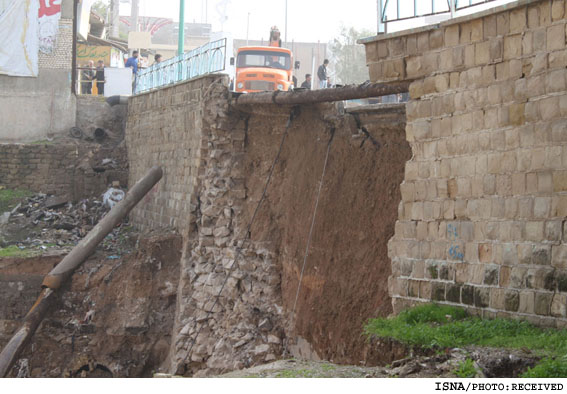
[45, 222]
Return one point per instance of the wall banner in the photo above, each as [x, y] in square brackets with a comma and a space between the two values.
[19, 39]
[49, 15]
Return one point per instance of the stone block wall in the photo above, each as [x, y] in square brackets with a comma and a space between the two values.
[484, 201]
[43, 168]
[165, 128]
[59, 169]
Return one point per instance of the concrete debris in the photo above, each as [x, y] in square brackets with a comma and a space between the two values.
[44, 222]
[53, 202]
[4, 218]
[23, 368]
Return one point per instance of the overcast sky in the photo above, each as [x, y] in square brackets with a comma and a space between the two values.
[308, 20]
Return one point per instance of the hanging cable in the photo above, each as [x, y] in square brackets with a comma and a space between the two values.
[313, 221]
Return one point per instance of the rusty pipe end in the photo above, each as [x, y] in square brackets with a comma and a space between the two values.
[52, 282]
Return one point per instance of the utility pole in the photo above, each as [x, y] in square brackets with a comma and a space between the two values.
[247, 29]
[114, 18]
[181, 40]
[134, 15]
[286, 23]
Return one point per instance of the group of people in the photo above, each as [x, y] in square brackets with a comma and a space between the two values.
[322, 74]
[91, 74]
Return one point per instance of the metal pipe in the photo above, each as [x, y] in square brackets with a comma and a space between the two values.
[63, 271]
[117, 100]
[323, 95]
[75, 258]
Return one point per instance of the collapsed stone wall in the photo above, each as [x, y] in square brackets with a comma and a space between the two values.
[216, 162]
[482, 217]
[188, 131]
[73, 170]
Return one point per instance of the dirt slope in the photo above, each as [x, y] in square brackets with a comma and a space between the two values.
[346, 272]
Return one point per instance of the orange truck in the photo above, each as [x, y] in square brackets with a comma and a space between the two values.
[264, 68]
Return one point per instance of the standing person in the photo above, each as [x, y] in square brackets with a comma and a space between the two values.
[322, 74]
[99, 76]
[157, 58]
[307, 83]
[87, 77]
[132, 62]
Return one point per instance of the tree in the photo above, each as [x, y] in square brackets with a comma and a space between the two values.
[348, 57]
[101, 8]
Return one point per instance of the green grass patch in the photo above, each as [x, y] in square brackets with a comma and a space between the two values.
[328, 367]
[466, 369]
[438, 326]
[548, 368]
[9, 198]
[432, 326]
[14, 251]
[296, 373]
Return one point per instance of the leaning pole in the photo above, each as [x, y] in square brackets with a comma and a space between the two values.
[64, 270]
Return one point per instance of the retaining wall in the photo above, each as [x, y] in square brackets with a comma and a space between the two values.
[63, 169]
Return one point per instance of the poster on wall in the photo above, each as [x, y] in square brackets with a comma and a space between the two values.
[49, 15]
[19, 40]
[94, 53]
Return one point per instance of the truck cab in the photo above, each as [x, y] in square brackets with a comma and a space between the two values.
[263, 69]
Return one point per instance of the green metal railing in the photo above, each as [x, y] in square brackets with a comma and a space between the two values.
[209, 58]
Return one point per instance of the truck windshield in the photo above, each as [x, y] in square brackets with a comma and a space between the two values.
[264, 59]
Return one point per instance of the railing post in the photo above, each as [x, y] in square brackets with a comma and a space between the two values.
[181, 41]
[381, 28]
